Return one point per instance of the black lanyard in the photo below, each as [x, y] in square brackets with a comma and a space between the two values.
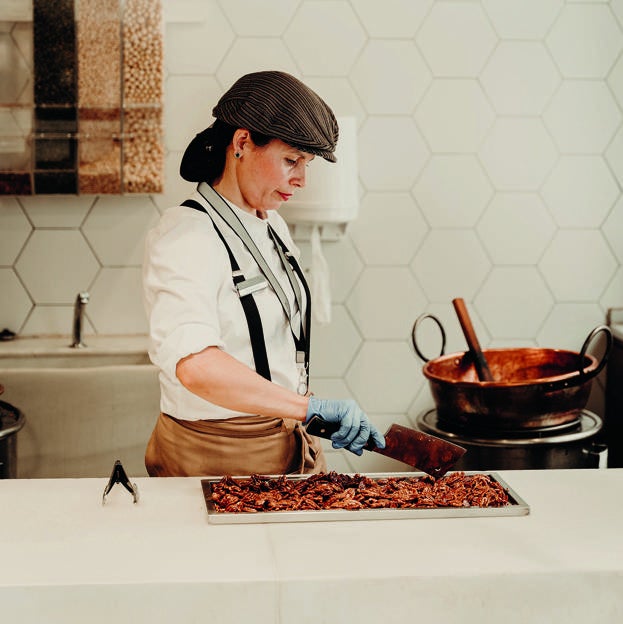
[300, 322]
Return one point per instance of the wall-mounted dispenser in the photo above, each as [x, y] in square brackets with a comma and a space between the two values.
[323, 208]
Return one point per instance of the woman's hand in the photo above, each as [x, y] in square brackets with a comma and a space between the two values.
[355, 427]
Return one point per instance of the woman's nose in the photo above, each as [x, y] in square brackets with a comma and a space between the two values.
[299, 178]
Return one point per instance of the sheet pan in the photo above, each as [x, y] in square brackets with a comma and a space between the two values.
[516, 507]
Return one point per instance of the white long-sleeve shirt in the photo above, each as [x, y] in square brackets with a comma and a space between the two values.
[191, 301]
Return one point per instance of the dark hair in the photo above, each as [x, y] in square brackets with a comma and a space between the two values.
[204, 158]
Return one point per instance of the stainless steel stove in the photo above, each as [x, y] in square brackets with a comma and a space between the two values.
[570, 445]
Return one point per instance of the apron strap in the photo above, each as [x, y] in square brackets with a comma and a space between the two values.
[244, 288]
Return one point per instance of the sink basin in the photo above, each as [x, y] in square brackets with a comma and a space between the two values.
[84, 408]
[55, 352]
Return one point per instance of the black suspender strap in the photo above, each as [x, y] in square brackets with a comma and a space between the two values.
[252, 314]
[299, 325]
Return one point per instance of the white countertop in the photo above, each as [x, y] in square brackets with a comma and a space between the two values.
[66, 558]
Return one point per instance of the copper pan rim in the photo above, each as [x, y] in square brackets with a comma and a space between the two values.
[591, 364]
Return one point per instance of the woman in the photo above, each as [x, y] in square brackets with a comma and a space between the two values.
[227, 303]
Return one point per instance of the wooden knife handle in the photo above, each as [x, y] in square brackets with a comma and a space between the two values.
[480, 362]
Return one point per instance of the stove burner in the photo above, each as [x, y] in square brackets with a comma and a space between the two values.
[585, 425]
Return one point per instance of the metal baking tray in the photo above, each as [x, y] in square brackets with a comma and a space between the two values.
[516, 507]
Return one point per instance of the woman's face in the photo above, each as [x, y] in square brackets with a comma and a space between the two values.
[268, 176]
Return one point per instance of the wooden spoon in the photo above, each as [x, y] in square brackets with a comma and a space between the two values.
[480, 362]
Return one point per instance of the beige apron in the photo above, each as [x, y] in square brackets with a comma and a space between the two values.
[235, 446]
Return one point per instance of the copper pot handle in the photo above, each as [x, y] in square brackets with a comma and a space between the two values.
[418, 322]
[604, 358]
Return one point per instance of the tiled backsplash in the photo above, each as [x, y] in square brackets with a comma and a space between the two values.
[491, 166]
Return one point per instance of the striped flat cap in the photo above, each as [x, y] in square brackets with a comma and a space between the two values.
[280, 106]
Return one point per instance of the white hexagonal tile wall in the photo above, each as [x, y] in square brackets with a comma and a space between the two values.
[342, 38]
[389, 229]
[200, 45]
[384, 377]
[117, 231]
[14, 230]
[15, 301]
[516, 228]
[55, 265]
[251, 18]
[580, 191]
[520, 78]
[449, 264]
[617, 9]
[578, 265]
[528, 19]
[59, 211]
[344, 265]
[613, 295]
[250, 54]
[582, 116]
[334, 344]
[328, 387]
[388, 164]
[600, 35]
[188, 108]
[569, 324]
[456, 38]
[422, 403]
[116, 305]
[615, 80]
[374, 76]
[454, 115]
[518, 153]
[458, 204]
[614, 156]
[613, 230]
[54, 321]
[384, 302]
[513, 302]
[392, 18]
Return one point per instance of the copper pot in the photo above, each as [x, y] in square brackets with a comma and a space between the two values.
[531, 387]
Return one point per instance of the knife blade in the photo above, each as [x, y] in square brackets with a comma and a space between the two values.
[420, 450]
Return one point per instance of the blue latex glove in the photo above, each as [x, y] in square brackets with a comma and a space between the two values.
[355, 427]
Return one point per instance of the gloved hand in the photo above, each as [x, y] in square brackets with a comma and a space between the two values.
[355, 427]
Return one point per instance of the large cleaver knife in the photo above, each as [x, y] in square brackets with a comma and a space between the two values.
[425, 452]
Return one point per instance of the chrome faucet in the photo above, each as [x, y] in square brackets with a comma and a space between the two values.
[81, 300]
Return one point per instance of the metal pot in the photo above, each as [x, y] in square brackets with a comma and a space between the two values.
[532, 387]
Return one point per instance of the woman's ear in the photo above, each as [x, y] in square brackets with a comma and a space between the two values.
[241, 138]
